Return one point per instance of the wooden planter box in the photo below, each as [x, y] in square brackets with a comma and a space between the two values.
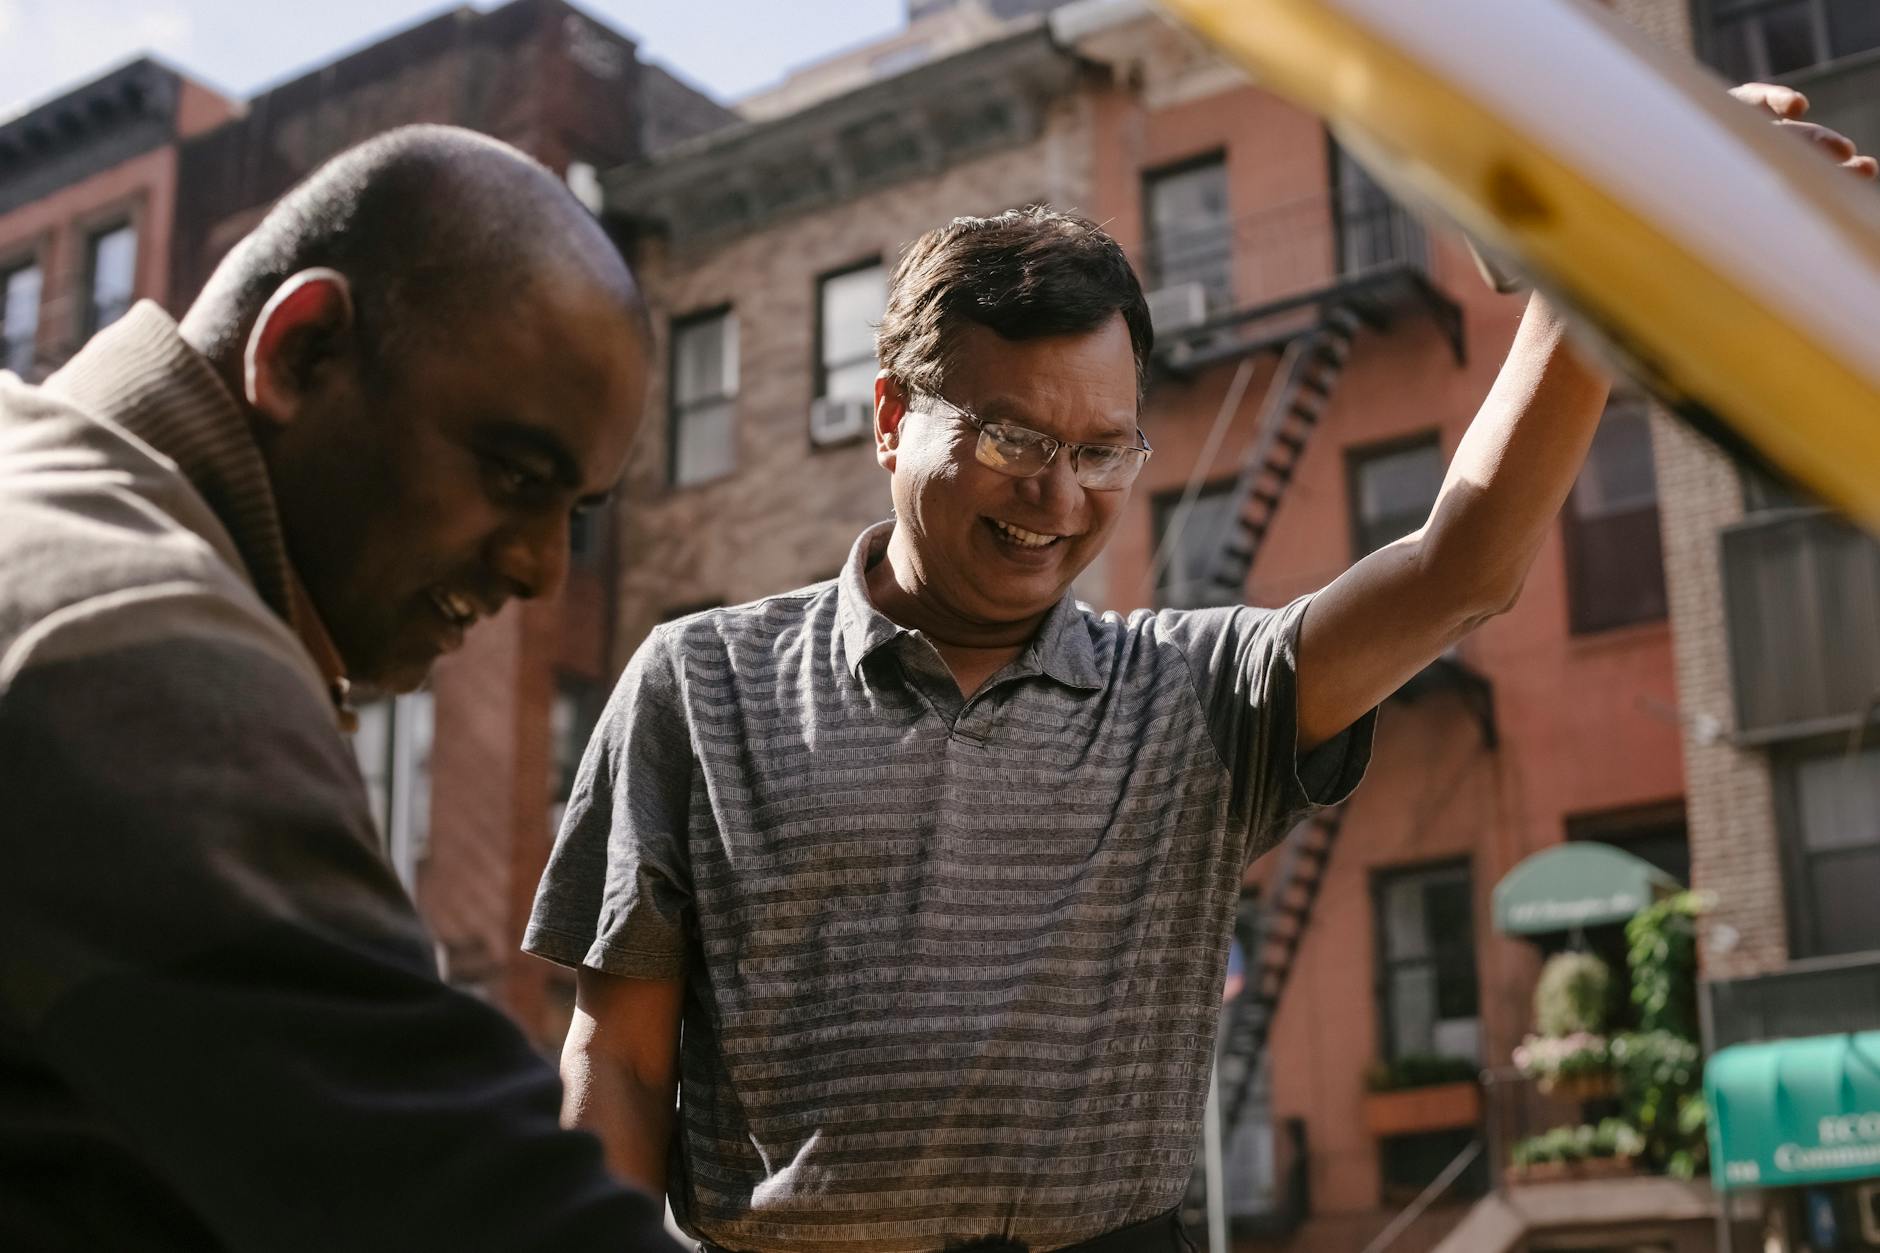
[1566, 1172]
[1582, 1087]
[1408, 1111]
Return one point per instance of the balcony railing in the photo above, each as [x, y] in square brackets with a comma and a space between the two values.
[1301, 246]
[1802, 593]
[1515, 1109]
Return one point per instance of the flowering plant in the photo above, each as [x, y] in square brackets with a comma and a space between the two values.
[1548, 1058]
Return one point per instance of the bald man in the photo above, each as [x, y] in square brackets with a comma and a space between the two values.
[220, 1026]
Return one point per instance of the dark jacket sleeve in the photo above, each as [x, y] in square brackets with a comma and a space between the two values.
[202, 942]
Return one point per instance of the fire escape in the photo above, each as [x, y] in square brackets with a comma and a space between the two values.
[1307, 325]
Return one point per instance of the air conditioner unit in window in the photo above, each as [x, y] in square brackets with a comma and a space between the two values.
[1177, 308]
[834, 420]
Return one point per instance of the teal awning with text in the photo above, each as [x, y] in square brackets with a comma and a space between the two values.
[1795, 1111]
[1577, 884]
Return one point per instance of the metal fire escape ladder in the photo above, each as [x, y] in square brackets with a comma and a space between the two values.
[1297, 396]
[1285, 913]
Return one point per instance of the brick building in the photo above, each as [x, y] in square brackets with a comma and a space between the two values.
[88, 190]
[1775, 605]
[764, 251]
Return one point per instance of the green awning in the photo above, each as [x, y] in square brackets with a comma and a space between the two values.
[1581, 883]
[1795, 1111]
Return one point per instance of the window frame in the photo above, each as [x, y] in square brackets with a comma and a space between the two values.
[1357, 456]
[1382, 877]
[94, 233]
[1162, 506]
[676, 412]
[1796, 859]
[1581, 585]
[819, 367]
[1415, 240]
[29, 258]
[1157, 280]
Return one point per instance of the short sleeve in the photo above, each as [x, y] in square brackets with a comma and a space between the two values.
[1245, 667]
[617, 892]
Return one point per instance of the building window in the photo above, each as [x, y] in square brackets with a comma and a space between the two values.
[1615, 566]
[19, 319]
[1426, 965]
[111, 264]
[393, 745]
[572, 717]
[1188, 541]
[1832, 799]
[1373, 230]
[1654, 833]
[704, 398]
[1757, 40]
[1393, 489]
[848, 307]
[1190, 232]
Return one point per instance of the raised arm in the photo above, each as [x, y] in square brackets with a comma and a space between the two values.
[1395, 611]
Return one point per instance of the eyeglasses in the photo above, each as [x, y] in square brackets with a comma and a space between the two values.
[1024, 453]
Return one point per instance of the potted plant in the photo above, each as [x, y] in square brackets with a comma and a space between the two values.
[1578, 1066]
[1588, 1151]
[1569, 1056]
[1422, 1092]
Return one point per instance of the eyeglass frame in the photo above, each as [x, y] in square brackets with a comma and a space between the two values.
[1055, 444]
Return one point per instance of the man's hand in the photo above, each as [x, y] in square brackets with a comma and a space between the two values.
[1788, 106]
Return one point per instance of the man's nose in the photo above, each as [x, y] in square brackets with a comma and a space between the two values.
[1055, 488]
[531, 556]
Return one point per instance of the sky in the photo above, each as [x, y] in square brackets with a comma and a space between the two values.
[729, 48]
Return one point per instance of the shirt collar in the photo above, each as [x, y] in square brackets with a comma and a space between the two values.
[140, 375]
[1061, 650]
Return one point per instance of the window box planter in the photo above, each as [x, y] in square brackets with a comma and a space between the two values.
[1408, 1111]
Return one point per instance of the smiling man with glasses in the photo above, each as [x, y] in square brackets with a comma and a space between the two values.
[936, 866]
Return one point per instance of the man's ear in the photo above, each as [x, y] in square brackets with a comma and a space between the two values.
[300, 327]
[890, 407]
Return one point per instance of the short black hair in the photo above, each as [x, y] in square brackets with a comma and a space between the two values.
[429, 224]
[1024, 274]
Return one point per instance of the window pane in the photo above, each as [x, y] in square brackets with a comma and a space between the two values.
[1615, 562]
[1395, 491]
[852, 382]
[851, 306]
[372, 745]
[1427, 933]
[1618, 474]
[1204, 529]
[704, 446]
[1189, 230]
[1843, 887]
[705, 360]
[113, 275]
[1838, 798]
[1767, 40]
[1373, 230]
[1853, 26]
[19, 318]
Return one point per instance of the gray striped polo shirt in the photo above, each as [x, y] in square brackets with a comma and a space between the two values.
[953, 966]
